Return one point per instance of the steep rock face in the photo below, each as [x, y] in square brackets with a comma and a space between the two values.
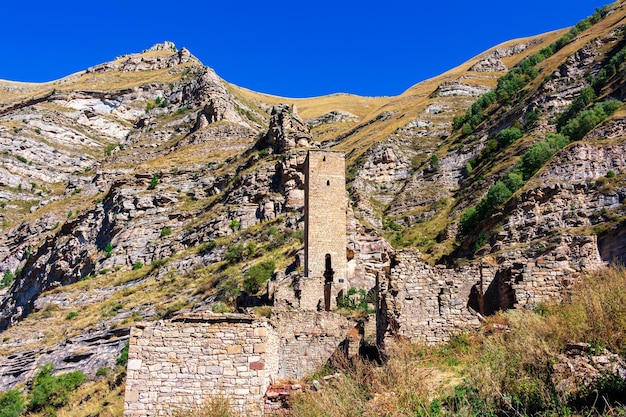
[86, 353]
[335, 116]
[287, 131]
[567, 81]
[490, 64]
[457, 88]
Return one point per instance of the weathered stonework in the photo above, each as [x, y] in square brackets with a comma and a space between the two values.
[325, 222]
[180, 364]
[429, 304]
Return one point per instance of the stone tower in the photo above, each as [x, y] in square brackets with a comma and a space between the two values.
[325, 221]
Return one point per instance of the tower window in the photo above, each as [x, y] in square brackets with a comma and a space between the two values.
[327, 182]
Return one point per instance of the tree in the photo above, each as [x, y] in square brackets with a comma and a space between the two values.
[508, 136]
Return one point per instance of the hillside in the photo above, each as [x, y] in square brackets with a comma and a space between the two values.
[148, 185]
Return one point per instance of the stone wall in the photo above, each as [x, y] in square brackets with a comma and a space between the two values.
[307, 340]
[429, 304]
[181, 364]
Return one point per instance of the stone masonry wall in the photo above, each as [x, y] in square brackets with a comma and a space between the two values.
[307, 340]
[429, 304]
[325, 214]
[183, 363]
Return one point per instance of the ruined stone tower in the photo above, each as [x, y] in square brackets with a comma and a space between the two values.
[325, 221]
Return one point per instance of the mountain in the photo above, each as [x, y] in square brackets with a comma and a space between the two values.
[149, 185]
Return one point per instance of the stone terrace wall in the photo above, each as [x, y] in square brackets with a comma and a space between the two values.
[180, 364]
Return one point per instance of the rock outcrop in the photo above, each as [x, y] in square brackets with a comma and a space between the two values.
[287, 131]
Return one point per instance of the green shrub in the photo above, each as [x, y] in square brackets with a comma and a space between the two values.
[7, 278]
[234, 225]
[469, 221]
[234, 253]
[497, 195]
[102, 371]
[207, 247]
[108, 249]
[257, 276]
[434, 161]
[540, 153]
[122, 360]
[22, 159]
[166, 231]
[219, 308]
[109, 149]
[508, 136]
[513, 181]
[586, 120]
[154, 181]
[137, 265]
[356, 299]
[51, 392]
[610, 174]
[11, 403]
[71, 315]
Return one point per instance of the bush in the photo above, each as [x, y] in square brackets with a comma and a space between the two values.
[137, 265]
[508, 136]
[539, 154]
[234, 225]
[434, 162]
[610, 174]
[234, 253]
[7, 278]
[166, 231]
[497, 195]
[108, 250]
[469, 220]
[357, 300]
[50, 391]
[513, 181]
[122, 360]
[154, 181]
[586, 120]
[109, 149]
[11, 403]
[257, 276]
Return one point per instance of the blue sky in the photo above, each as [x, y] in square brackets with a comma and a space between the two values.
[286, 48]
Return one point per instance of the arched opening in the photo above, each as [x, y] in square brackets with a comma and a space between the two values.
[327, 182]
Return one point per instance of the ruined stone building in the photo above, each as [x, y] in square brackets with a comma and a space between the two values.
[184, 362]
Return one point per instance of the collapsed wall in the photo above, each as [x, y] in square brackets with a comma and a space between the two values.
[424, 303]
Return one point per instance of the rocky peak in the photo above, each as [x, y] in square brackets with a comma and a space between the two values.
[166, 45]
[287, 130]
